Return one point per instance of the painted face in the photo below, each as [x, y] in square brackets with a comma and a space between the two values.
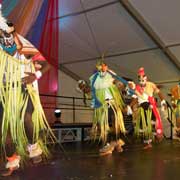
[8, 40]
[102, 68]
[102, 74]
[142, 80]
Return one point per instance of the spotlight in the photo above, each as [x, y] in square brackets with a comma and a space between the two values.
[57, 113]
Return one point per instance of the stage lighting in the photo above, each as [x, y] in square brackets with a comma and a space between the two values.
[57, 113]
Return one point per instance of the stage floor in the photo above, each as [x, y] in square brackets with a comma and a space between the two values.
[82, 162]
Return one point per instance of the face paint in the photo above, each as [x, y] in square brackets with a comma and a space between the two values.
[142, 80]
[104, 67]
[102, 74]
[8, 40]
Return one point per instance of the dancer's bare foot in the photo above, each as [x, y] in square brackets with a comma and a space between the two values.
[107, 149]
[119, 149]
[37, 159]
[159, 138]
[147, 146]
[12, 164]
[9, 171]
[119, 144]
[35, 153]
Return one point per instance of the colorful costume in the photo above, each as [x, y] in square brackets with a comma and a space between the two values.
[175, 100]
[108, 105]
[24, 128]
[147, 113]
[84, 88]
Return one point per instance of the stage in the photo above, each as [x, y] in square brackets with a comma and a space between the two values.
[81, 161]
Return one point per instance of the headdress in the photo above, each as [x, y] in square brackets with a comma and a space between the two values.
[3, 21]
[141, 72]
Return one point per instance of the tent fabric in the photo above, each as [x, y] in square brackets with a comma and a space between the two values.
[90, 28]
[24, 14]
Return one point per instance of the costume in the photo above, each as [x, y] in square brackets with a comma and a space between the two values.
[147, 116]
[175, 100]
[108, 104]
[84, 88]
[24, 128]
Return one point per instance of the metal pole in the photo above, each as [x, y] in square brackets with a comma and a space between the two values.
[74, 115]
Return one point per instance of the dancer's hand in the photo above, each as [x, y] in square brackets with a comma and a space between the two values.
[131, 85]
[30, 78]
[129, 110]
[163, 105]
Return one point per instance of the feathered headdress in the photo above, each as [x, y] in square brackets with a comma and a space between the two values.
[3, 21]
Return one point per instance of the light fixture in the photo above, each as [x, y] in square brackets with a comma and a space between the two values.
[57, 113]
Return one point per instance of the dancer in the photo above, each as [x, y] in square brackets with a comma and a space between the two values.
[24, 128]
[175, 101]
[108, 104]
[147, 113]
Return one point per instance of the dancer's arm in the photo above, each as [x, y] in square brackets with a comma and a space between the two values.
[41, 68]
[19, 44]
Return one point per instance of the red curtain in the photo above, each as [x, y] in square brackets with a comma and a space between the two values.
[49, 46]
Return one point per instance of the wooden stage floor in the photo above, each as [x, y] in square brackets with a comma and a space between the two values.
[81, 161]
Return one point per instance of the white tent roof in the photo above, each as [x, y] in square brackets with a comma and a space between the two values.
[89, 28]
